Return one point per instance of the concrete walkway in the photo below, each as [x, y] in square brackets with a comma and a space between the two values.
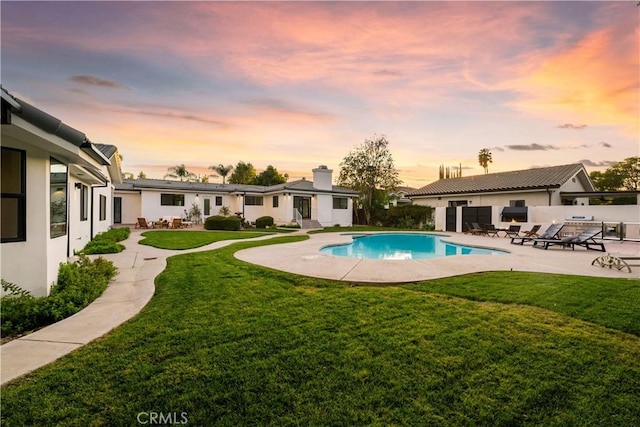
[126, 295]
[139, 265]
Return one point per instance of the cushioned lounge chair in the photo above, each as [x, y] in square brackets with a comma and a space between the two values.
[586, 239]
[477, 229]
[142, 223]
[550, 233]
[176, 223]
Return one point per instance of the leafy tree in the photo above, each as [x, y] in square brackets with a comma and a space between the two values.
[222, 170]
[127, 175]
[270, 176]
[484, 158]
[623, 175]
[142, 175]
[181, 172]
[369, 170]
[244, 173]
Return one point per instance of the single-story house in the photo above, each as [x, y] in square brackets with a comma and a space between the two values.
[539, 195]
[309, 203]
[57, 193]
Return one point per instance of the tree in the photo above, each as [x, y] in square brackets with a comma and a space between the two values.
[181, 172]
[244, 173]
[222, 170]
[623, 175]
[484, 158]
[270, 176]
[142, 175]
[369, 170]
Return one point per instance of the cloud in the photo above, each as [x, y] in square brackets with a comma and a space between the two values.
[571, 126]
[282, 110]
[531, 147]
[605, 144]
[604, 163]
[96, 81]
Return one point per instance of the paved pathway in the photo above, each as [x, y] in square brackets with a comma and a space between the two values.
[139, 265]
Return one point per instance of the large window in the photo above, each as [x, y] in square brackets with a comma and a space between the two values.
[340, 203]
[58, 191]
[103, 207]
[84, 202]
[172, 199]
[253, 200]
[207, 206]
[13, 210]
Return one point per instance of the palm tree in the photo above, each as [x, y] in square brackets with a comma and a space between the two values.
[181, 172]
[222, 170]
[484, 157]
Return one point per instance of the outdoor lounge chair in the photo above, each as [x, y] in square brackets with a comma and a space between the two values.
[550, 233]
[586, 239]
[477, 230]
[490, 230]
[142, 223]
[177, 223]
[533, 232]
[513, 231]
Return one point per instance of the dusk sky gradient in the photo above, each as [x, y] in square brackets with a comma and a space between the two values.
[298, 84]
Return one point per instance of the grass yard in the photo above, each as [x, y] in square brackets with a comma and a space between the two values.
[229, 343]
[185, 239]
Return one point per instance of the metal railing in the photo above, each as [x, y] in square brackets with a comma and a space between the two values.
[298, 216]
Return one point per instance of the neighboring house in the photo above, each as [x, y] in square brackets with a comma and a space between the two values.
[310, 203]
[399, 197]
[57, 193]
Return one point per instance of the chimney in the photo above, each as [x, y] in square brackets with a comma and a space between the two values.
[322, 178]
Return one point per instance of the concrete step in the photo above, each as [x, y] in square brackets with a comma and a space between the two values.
[310, 223]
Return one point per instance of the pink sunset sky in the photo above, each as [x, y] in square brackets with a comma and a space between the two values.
[298, 84]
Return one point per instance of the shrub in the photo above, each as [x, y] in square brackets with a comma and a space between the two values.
[107, 242]
[409, 216]
[218, 222]
[79, 283]
[264, 222]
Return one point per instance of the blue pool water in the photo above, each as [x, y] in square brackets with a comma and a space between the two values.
[403, 246]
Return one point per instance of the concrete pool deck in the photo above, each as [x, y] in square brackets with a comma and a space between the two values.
[304, 258]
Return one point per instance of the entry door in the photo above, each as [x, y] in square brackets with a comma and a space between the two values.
[117, 210]
[451, 219]
[303, 205]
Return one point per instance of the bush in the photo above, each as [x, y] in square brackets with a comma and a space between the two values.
[79, 283]
[409, 216]
[107, 242]
[218, 222]
[264, 222]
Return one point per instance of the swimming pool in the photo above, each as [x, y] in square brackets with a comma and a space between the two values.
[399, 246]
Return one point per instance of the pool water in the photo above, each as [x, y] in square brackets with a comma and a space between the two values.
[403, 246]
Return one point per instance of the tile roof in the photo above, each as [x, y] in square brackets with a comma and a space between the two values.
[528, 179]
[164, 184]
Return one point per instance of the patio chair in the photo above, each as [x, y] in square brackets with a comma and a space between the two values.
[533, 232]
[490, 230]
[513, 231]
[477, 230]
[142, 223]
[550, 233]
[586, 239]
[176, 223]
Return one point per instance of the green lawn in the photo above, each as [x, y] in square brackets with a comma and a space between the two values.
[229, 343]
[193, 239]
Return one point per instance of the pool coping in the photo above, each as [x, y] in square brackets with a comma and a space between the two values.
[304, 258]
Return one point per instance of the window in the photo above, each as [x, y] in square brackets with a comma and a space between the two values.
[454, 203]
[275, 201]
[516, 204]
[58, 199]
[218, 200]
[207, 206]
[253, 200]
[171, 199]
[103, 207]
[84, 202]
[340, 203]
[14, 200]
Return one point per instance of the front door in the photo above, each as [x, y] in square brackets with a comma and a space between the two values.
[302, 205]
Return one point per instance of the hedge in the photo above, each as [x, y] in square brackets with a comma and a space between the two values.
[218, 222]
[107, 242]
[264, 222]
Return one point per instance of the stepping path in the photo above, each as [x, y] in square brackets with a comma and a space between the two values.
[131, 289]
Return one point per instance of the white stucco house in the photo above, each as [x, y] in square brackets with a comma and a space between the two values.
[57, 193]
[310, 203]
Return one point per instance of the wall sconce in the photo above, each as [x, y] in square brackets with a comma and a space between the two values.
[78, 185]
